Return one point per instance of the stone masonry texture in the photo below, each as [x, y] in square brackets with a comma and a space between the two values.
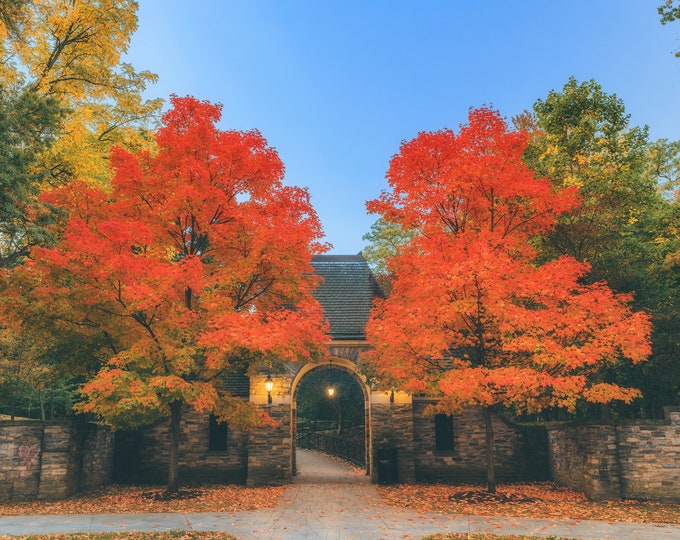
[629, 460]
[392, 427]
[270, 450]
[142, 455]
[53, 460]
[521, 452]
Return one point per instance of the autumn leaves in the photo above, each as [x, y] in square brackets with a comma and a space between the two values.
[195, 261]
[473, 316]
[196, 254]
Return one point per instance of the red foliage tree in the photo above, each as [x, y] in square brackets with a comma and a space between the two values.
[473, 317]
[195, 262]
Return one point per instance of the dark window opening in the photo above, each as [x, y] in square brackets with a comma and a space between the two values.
[443, 432]
[217, 435]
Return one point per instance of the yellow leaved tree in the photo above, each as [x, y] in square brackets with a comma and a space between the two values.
[71, 51]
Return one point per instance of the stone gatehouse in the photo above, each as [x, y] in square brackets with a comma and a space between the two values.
[427, 448]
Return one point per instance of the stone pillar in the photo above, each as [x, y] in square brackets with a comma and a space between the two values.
[270, 448]
[20, 459]
[392, 426]
[58, 464]
[269, 451]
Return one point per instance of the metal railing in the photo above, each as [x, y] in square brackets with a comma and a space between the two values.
[347, 449]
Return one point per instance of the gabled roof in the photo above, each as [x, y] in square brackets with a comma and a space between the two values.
[346, 293]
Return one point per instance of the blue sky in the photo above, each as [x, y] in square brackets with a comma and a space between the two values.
[336, 85]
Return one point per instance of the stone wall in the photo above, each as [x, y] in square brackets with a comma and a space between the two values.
[95, 461]
[584, 458]
[629, 460]
[520, 452]
[20, 455]
[142, 455]
[53, 461]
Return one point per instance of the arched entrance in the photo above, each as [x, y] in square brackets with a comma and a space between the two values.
[347, 368]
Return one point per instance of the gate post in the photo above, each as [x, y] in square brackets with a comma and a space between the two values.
[392, 425]
[270, 448]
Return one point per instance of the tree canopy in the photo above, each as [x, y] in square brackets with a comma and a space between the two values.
[583, 138]
[28, 126]
[624, 228]
[196, 262]
[71, 51]
[66, 97]
[669, 11]
[473, 317]
[385, 240]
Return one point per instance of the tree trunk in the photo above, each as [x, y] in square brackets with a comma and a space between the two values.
[173, 465]
[13, 409]
[605, 412]
[41, 400]
[490, 457]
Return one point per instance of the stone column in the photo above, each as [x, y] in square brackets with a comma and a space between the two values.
[392, 427]
[58, 464]
[270, 448]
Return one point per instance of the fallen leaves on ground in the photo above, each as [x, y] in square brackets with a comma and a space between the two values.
[139, 499]
[537, 500]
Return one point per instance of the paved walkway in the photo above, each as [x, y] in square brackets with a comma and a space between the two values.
[331, 501]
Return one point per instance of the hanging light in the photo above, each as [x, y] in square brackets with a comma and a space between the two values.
[269, 386]
[331, 389]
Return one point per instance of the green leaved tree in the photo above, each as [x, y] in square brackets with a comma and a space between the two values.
[625, 227]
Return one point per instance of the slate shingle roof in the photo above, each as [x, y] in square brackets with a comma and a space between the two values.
[238, 384]
[346, 293]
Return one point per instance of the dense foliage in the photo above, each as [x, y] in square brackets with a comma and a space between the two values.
[196, 262]
[626, 227]
[65, 98]
[669, 12]
[474, 316]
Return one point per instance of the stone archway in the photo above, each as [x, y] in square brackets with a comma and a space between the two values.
[348, 366]
[388, 421]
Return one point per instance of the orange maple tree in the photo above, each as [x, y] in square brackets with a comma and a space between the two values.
[196, 262]
[473, 317]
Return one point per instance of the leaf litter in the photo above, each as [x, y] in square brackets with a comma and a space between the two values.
[536, 500]
[143, 499]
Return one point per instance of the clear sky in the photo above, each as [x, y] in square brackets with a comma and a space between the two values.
[336, 85]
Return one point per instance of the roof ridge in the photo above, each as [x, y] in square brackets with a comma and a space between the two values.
[359, 257]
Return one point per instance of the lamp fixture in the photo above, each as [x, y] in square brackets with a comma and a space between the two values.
[269, 386]
[330, 390]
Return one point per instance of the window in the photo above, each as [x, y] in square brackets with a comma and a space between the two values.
[217, 435]
[443, 432]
